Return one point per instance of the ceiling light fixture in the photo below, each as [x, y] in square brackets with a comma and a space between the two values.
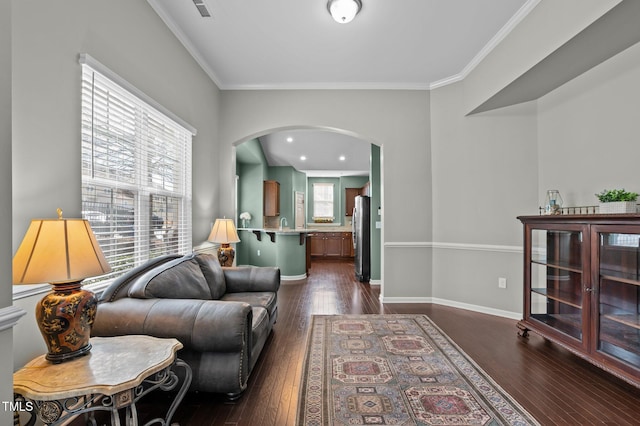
[343, 11]
[342, 158]
[303, 158]
[289, 139]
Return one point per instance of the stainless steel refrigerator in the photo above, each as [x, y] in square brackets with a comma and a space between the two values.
[361, 222]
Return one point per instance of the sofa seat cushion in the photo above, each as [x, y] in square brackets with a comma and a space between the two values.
[265, 299]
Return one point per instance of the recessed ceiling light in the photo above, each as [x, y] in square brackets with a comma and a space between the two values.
[342, 158]
[303, 157]
[289, 139]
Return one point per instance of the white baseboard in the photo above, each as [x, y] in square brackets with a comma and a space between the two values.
[293, 277]
[454, 304]
[406, 299]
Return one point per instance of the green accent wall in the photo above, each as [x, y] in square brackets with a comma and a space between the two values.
[286, 253]
[376, 203]
[251, 167]
[290, 181]
[252, 170]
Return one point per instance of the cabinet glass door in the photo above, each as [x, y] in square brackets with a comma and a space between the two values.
[619, 297]
[556, 280]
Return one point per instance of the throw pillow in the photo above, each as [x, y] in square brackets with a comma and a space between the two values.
[212, 271]
[178, 279]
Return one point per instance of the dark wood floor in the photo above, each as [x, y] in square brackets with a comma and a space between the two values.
[555, 386]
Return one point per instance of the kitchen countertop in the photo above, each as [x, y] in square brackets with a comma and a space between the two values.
[287, 230]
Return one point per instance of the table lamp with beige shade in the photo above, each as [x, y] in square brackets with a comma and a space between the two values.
[224, 232]
[62, 252]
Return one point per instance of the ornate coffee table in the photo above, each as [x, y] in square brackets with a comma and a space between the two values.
[115, 375]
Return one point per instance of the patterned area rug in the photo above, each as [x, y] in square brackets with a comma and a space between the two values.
[396, 370]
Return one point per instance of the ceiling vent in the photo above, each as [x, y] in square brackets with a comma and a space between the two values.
[202, 8]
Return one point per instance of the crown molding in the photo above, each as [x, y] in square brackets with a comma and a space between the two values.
[488, 48]
[328, 86]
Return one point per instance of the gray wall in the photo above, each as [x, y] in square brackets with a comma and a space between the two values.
[6, 344]
[547, 27]
[489, 168]
[129, 38]
[484, 175]
[589, 132]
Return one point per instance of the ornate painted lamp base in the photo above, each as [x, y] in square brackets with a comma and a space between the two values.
[65, 316]
[226, 255]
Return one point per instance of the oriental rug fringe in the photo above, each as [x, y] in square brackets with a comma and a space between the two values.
[396, 370]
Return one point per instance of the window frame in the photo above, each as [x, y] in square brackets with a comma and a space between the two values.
[327, 203]
[155, 172]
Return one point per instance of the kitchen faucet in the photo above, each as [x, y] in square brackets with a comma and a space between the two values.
[285, 222]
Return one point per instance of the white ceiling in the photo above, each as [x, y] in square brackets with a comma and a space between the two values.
[322, 152]
[295, 44]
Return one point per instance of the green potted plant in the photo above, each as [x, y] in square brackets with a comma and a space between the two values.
[617, 201]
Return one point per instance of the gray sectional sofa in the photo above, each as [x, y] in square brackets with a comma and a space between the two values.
[222, 316]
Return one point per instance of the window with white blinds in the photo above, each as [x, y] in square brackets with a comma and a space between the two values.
[323, 200]
[136, 175]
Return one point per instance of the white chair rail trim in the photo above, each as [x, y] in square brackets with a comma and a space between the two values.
[455, 246]
[9, 316]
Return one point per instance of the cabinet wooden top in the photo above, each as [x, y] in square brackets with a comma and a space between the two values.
[583, 218]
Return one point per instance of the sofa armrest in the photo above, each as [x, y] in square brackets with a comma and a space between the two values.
[251, 278]
[200, 325]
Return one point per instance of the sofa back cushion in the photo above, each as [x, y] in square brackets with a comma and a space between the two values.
[212, 271]
[181, 278]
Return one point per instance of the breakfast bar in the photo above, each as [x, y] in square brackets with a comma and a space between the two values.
[285, 248]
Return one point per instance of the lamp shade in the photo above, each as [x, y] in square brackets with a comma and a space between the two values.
[343, 11]
[58, 251]
[224, 232]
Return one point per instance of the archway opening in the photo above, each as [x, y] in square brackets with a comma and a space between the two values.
[300, 159]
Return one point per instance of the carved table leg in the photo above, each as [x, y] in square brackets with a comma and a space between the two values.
[183, 389]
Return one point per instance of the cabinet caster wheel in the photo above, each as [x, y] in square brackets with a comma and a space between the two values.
[523, 331]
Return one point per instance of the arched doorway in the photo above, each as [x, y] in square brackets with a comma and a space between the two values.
[328, 156]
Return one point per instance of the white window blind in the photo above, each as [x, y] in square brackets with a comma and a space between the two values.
[323, 200]
[136, 174]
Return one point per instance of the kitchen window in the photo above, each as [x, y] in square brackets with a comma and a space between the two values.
[323, 202]
[136, 171]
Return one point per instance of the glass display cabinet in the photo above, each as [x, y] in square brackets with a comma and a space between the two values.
[582, 287]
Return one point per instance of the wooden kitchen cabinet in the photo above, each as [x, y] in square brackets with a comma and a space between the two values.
[350, 195]
[316, 245]
[271, 198]
[331, 244]
[366, 189]
[347, 244]
[582, 287]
